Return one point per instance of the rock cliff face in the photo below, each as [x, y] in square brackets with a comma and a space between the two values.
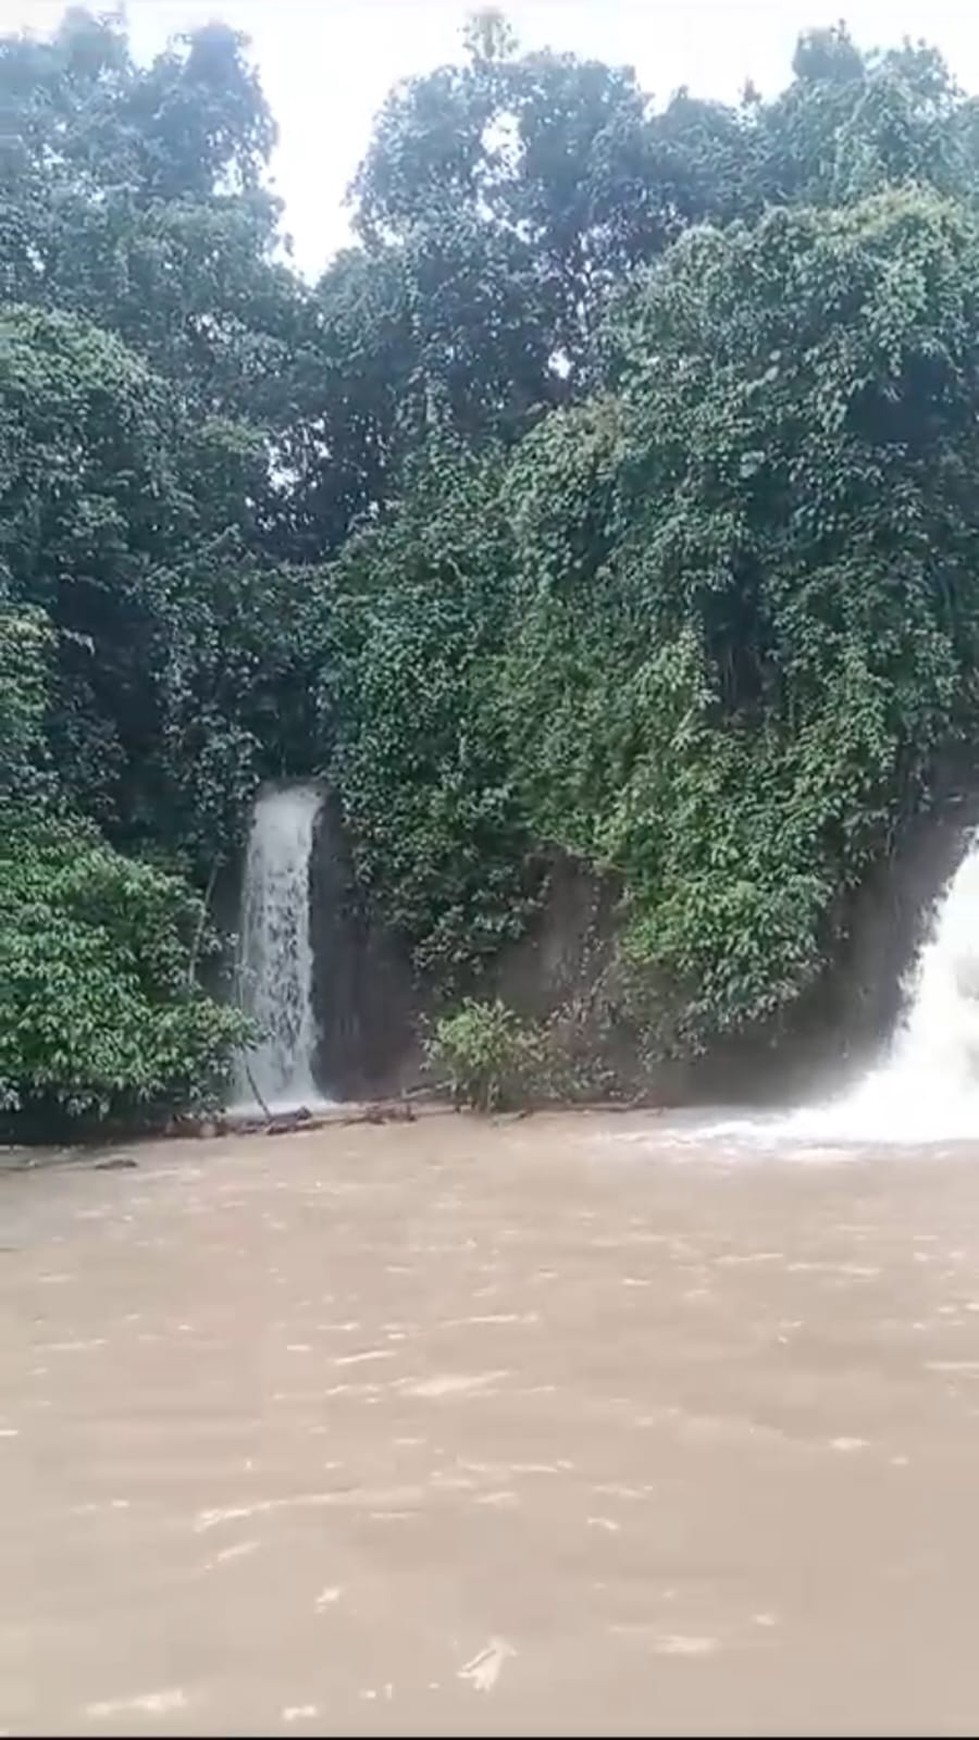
[367, 1004]
[370, 1006]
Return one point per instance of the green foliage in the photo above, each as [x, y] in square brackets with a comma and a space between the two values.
[108, 492]
[25, 648]
[487, 1057]
[560, 160]
[420, 755]
[248, 644]
[614, 494]
[100, 1015]
[760, 621]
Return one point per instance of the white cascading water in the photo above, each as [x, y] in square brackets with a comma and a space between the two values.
[927, 1084]
[926, 1087]
[275, 955]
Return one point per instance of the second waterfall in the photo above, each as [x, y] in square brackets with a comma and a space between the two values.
[275, 955]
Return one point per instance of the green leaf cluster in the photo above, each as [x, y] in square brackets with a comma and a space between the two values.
[487, 1057]
[100, 1014]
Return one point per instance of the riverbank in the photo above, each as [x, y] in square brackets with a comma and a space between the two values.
[116, 1150]
[560, 1425]
[118, 1147]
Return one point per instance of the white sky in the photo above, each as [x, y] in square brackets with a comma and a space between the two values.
[326, 65]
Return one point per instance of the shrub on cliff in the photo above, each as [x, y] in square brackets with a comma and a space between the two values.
[489, 1058]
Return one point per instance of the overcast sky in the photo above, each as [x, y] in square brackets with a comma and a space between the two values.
[327, 64]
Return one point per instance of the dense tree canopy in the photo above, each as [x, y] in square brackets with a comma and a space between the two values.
[612, 493]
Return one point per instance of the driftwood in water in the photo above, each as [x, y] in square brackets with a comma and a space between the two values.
[405, 1110]
[284, 1123]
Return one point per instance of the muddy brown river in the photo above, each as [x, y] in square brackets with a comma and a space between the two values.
[573, 1425]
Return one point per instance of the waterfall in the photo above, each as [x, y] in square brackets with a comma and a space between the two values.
[926, 1086]
[275, 956]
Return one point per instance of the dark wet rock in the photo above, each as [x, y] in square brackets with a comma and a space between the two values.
[282, 1124]
[367, 1002]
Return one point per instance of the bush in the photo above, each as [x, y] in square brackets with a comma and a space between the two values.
[100, 1013]
[489, 1057]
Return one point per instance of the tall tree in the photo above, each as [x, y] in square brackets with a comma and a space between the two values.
[135, 198]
